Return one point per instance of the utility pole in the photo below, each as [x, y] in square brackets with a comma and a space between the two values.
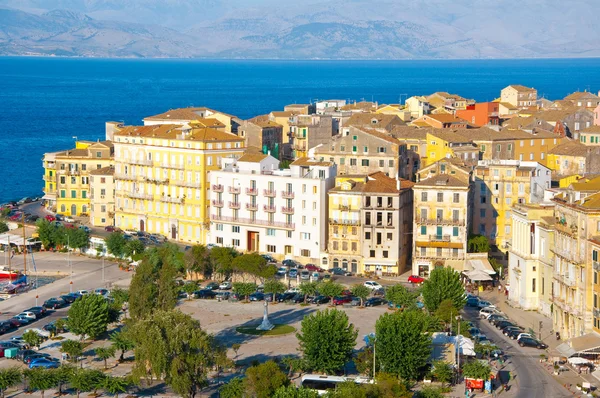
[374, 340]
[70, 266]
[24, 246]
[103, 269]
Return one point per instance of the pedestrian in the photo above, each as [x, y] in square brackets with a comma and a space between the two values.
[500, 288]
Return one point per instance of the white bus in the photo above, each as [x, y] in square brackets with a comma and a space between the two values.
[322, 383]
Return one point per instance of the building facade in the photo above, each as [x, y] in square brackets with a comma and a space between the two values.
[519, 96]
[102, 197]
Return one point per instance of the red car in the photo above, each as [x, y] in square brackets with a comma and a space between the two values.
[342, 300]
[50, 218]
[110, 228]
[70, 226]
[415, 279]
[312, 267]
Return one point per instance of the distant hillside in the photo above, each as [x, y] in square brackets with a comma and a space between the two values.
[338, 29]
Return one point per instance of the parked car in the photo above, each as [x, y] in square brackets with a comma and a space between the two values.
[28, 315]
[29, 358]
[6, 327]
[531, 342]
[326, 278]
[24, 200]
[304, 275]
[269, 258]
[82, 292]
[44, 363]
[315, 276]
[502, 324]
[373, 301]
[320, 299]
[485, 304]
[256, 296]
[226, 285]
[69, 219]
[340, 300]
[293, 273]
[290, 263]
[69, 298]
[55, 303]
[18, 321]
[38, 311]
[507, 329]
[285, 296]
[373, 285]
[416, 279]
[102, 291]
[85, 228]
[355, 301]
[339, 271]
[298, 298]
[281, 271]
[486, 312]
[472, 302]
[112, 228]
[514, 333]
[204, 294]
[473, 331]
[21, 354]
[212, 286]
[222, 295]
[59, 217]
[495, 319]
[523, 335]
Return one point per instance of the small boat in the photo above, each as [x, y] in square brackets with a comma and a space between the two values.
[7, 273]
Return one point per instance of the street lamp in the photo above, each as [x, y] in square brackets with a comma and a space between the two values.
[458, 336]
[70, 265]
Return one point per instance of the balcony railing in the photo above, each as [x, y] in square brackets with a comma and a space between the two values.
[169, 199]
[176, 166]
[345, 207]
[299, 147]
[287, 210]
[234, 190]
[137, 195]
[251, 191]
[299, 135]
[564, 279]
[567, 255]
[440, 221]
[217, 203]
[251, 206]
[141, 162]
[287, 195]
[188, 184]
[334, 221]
[234, 205]
[128, 177]
[249, 221]
[269, 193]
[269, 209]
[217, 187]
[439, 238]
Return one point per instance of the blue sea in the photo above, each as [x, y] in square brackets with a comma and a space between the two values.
[45, 102]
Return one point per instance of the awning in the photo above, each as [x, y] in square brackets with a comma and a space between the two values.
[452, 245]
[12, 239]
[49, 197]
[587, 344]
[478, 275]
[481, 264]
[578, 361]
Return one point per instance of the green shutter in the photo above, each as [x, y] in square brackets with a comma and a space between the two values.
[423, 230]
[454, 231]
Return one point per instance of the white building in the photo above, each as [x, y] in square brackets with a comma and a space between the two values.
[256, 207]
[329, 105]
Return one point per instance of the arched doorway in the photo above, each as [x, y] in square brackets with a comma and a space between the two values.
[63, 208]
[73, 210]
[142, 225]
[336, 263]
[345, 264]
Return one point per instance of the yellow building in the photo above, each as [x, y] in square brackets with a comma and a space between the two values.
[161, 177]
[445, 143]
[568, 159]
[50, 179]
[102, 196]
[72, 170]
[202, 116]
[590, 136]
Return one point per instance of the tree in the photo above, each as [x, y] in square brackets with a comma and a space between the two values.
[172, 346]
[40, 379]
[9, 377]
[89, 316]
[403, 345]
[32, 338]
[348, 389]
[255, 265]
[60, 325]
[308, 289]
[84, 380]
[63, 374]
[329, 354]
[133, 248]
[401, 297]
[115, 244]
[442, 371]
[274, 287]
[72, 348]
[478, 244]
[120, 296]
[364, 361]
[446, 312]
[103, 353]
[362, 292]
[190, 288]
[387, 386]
[167, 287]
[330, 289]
[46, 232]
[233, 389]
[430, 392]
[197, 261]
[244, 289]
[115, 385]
[476, 370]
[122, 342]
[443, 283]
[292, 392]
[78, 238]
[222, 260]
[263, 380]
[3, 227]
[485, 350]
[143, 291]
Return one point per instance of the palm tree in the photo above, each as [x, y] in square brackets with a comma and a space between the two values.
[115, 385]
[308, 288]
[104, 353]
[121, 342]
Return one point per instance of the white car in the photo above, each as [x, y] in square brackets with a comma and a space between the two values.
[225, 285]
[41, 332]
[69, 219]
[487, 311]
[373, 285]
[293, 290]
[82, 292]
[28, 315]
[524, 335]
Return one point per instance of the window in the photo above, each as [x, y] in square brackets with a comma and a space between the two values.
[336, 245]
[385, 254]
[424, 199]
[354, 137]
[595, 277]
[423, 230]
[354, 246]
[219, 240]
[342, 148]
[390, 163]
[73, 194]
[508, 188]
[366, 149]
[456, 197]
[496, 172]
[533, 285]
[482, 213]
[364, 162]
[440, 197]
[482, 199]
[390, 236]
[304, 236]
[382, 163]
[235, 229]
[367, 235]
[235, 242]
[219, 227]
[352, 162]
[342, 161]
[454, 231]
[305, 253]
[354, 148]
[371, 253]
[270, 232]
[271, 248]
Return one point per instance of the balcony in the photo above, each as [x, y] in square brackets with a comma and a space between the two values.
[287, 195]
[345, 207]
[299, 147]
[268, 193]
[127, 177]
[440, 221]
[299, 135]
[141, 162]
[156, 181]
[251, 191]
[49, 178]
[287, 210]
[169, 199]
[439, 238]
[175, 166]
[217, 188]
[217, 203]
[234, 205]
[565, 279]
[137, 195]
[567, 255]
[251, 206]
[269, 209]
[334, 221]
[187, 184]
[234, 190]
[249, 221]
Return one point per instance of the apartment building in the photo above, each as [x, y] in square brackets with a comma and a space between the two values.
[102, 196]
[519, 96]
[481, 114]
[309, 131]
[369, 224]
[569, 158]
[446, 101]
[584, 99]
[442, 200]
[362, 151]
[50, 180]
[161, 177]
[442, 144]
[71, 170]
[200, 115]
[498, 185]
[263, 133]
[256, 207]
[383, 123]
[417, 106]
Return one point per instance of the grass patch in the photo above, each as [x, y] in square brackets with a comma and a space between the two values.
[276, 331]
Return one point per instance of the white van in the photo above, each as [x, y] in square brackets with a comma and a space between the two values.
[487, 311]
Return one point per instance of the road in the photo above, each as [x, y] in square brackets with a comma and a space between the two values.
[531, 380]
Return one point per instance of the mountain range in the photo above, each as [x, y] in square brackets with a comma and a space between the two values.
[269, 29]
